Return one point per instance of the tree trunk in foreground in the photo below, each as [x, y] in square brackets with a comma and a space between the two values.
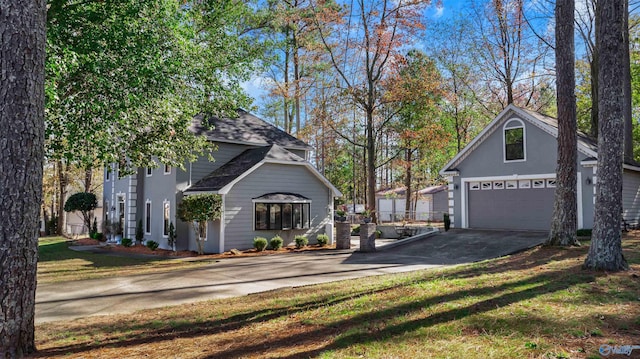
[22, 32]
[605, 252]
[563, 222]
[626, 83]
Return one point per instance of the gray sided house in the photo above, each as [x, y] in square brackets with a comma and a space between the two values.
[267, 187]
[505, 177]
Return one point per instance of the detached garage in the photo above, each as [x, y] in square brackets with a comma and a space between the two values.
[505, 178]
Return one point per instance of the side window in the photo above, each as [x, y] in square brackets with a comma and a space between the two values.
[166, 212]
[147, 218]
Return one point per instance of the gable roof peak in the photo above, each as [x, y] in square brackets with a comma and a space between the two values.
[586, 145]
[245, 128]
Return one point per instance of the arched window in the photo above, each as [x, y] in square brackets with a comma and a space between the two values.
[514, 141]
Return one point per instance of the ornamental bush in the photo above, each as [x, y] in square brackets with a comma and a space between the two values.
[260, 243]
[301, 241]
[127, 242]
[139, 232]
[276, 243]
[153, 245]
[84, 202]
[322, 239]
[172, 235]
[94, 227]
[199, 209]
[584, 232]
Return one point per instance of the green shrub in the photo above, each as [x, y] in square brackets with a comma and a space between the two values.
[153, 245]
[301, 241]
[94, 227]
[201, 208]
[172, 235]
[139, 232]
[447, 222]
[260, 243]
[323, 240]
[584, 232]
[51, 226]
[96, 236]
[276, 243]
[84, 202]
[355, 230]
[127, 242]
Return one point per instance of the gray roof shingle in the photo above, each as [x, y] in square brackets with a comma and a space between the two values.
[583, 138]
[240, 164]
[246, 128]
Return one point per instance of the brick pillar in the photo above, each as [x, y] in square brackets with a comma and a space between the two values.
[367, 237]
[343, 235]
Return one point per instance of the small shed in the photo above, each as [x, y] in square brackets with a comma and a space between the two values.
[430, 205]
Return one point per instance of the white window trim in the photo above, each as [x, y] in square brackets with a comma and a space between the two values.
[108, 174]
[149, 172]
[540, 183]
[167, 169]
[504, 139]
[524, 184]
[148, 213]
[256, 201]
[164, 203]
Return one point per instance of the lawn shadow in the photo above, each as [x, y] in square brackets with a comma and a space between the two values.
[537, 285]
[208, 327]
[60, 251]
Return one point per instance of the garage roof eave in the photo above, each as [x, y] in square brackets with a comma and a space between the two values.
[447, 173]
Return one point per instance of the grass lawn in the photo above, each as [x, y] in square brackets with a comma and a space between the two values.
[57, 263]
[536, 304]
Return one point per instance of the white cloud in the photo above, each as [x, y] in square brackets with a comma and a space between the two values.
[439, 12]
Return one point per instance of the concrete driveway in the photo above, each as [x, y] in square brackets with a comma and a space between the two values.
[241, 276]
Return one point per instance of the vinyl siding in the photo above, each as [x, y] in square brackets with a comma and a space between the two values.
[631, 197]
[487, 160]
[120, 186]
[239, 211]
[158, 188]
[587, 195]
[440, 204]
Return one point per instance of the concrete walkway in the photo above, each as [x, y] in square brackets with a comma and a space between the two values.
[241, 276]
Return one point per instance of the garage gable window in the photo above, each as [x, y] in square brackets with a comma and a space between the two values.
[514, 141]
[282, 211]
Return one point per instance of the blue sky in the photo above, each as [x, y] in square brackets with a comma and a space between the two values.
[255, 88]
